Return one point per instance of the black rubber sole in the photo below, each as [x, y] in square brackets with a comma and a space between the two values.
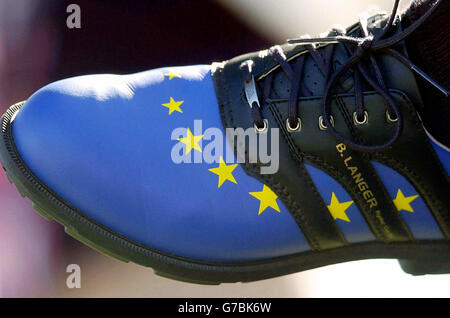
[418, 257]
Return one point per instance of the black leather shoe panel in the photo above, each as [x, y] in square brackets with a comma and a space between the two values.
[414, 157]
[411, 155]
[352, 169]
[291, 183]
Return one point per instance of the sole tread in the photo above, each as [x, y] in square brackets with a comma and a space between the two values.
[76, 235]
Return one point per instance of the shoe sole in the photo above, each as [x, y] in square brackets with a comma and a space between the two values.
[418, 257]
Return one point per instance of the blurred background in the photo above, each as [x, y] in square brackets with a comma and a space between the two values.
[36, 48]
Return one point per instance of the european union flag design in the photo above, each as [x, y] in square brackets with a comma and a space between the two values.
[126, 177]
[409, 203]
[217, 198]
[341, 207]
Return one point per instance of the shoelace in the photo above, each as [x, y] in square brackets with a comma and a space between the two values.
[363, 48]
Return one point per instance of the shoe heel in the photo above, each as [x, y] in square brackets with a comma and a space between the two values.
[425, 266]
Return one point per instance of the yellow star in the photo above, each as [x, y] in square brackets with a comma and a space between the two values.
[268, 199]
[337, 209]
[173, 106]
[172, 75]
[224, 172]
[403, 203]
[191, 141]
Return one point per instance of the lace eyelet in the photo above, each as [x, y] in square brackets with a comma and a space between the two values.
[390, 119]
[322, 125]
[365, 120]
[263, 129]
[296, 128]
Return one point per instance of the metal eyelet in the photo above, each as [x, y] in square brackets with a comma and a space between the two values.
[322, 125]
[357, 122]
[389, 118]
[296, 128]
[263, 129]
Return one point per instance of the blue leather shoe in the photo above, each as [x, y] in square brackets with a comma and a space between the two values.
[267, 164]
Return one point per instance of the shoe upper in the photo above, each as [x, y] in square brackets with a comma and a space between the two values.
[104, 144]
[144, 155]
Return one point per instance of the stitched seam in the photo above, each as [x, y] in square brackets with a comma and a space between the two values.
[297, 213]
[282, 191]
[411, 175]
[365, 160]
[440, 213]
[294, 150]
[348, 121]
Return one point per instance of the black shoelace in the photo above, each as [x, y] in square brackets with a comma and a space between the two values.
[363, 48]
